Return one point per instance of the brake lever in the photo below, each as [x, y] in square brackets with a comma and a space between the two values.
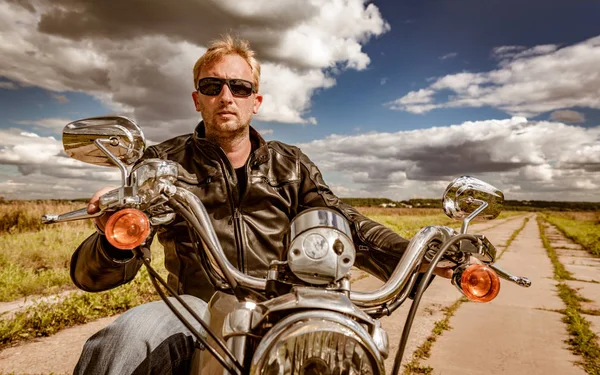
[80, 214]
[484, 250]
[519, 280]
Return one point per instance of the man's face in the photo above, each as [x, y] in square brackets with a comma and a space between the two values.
[226, 113]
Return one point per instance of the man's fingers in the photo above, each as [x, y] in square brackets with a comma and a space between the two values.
[94, 204]
[443, 272]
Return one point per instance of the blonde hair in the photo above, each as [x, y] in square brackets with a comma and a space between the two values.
[228, 45]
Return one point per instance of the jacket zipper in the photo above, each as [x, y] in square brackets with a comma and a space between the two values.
[236, 210]
[237, 227]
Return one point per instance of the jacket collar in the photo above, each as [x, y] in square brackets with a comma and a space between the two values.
[259, 145]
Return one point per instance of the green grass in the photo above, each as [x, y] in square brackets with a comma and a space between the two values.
[560, 272]
[584, 232]
[26, 216]
[582, 340]
[45, 319]
[37, 263]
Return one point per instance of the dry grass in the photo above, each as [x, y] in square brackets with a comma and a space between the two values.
[581, 227]
[26, 216]
[368, 211]
[590, 216]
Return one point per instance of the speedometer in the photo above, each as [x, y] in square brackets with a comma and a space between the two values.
[315, 246]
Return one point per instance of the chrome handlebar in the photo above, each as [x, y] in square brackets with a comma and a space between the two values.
[409, 262]
[387, 292]
[391, 289]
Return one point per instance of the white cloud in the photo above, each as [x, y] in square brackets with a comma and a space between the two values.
[528, 82]
[264, 132]
[33, 154]
[447, 56]
[56, 124]
[138, 61]
[567, 115]
[529, 160]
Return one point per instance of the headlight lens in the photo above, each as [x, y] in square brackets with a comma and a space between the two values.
[314, 343]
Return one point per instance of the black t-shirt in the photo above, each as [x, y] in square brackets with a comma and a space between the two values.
[242, 179]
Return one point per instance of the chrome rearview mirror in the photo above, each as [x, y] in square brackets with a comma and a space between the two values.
[467, 197]
[90, 139]
[112, 141]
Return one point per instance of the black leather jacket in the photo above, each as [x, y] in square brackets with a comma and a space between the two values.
[281, 182]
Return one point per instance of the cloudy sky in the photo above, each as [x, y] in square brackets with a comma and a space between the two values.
[390, 98]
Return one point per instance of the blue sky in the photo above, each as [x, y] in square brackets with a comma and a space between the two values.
[512, 86]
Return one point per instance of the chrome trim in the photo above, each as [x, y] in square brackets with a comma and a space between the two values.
[122, 167]
[316, 218]
[151, 170]
[324, 318]
[237, 326]
[313, 299]
[465, 224]
[381, 339]
[409, 262]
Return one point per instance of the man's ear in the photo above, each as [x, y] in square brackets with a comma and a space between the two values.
[257, 102]
[196, 98]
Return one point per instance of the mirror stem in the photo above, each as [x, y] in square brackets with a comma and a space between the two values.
[118, 163]
[465, 224]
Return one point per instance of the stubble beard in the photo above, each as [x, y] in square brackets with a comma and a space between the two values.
[228, 132]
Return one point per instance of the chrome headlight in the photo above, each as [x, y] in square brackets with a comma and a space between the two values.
[317, 342]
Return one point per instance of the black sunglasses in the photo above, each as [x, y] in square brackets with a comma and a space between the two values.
[212, 86]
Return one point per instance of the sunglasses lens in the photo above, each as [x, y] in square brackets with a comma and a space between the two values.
[210, 86]
[213, 86]
[240, 87]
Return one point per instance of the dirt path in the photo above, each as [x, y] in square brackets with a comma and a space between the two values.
[8, 309]
[59, 353]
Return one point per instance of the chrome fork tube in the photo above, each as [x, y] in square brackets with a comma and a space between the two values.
[411, 259]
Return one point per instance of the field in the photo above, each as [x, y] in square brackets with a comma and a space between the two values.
[34, 261]
[581, 227]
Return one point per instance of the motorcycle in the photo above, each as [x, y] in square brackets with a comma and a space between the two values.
[316, 326]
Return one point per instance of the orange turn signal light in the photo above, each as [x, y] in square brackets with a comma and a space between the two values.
[480, 283]
[127, 228]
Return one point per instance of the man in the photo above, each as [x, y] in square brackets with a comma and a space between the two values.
[252, 189]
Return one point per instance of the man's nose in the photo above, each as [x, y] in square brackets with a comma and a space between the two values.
[226, 96]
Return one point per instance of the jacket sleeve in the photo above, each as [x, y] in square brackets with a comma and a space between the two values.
[97, 266]
[378, 248]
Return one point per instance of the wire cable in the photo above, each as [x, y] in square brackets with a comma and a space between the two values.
[154, 276]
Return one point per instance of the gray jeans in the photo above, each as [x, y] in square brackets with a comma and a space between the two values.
[148, 339]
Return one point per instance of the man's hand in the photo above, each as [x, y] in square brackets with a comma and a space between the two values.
[446, 272]
[94, 206]
[441, 272]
